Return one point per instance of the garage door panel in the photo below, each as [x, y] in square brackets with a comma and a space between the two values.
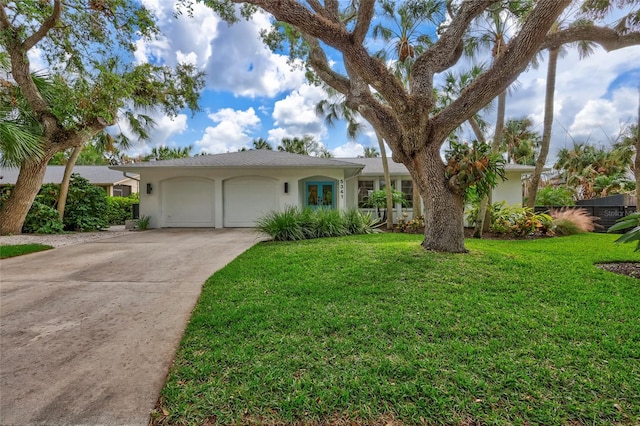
[188, 202]
[248, 199]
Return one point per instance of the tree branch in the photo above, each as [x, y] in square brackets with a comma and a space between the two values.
[608, 38]
[365, 14]
[46, 26]
[320, 64]
[505, 69]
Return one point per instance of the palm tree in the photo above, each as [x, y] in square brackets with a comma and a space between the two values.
[494, 27]
[519, 141]
[261, 143]
[584, 48]
[333, 109]
[294, 145]
[370, 152]
[163, 152]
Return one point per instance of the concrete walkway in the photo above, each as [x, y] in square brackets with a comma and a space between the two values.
[89, 331]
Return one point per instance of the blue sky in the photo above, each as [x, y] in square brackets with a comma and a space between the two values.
[252, 92]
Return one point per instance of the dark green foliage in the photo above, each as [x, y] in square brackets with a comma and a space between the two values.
[379, 198]
[293, 224]
[86, 208]
[20, 249]
[557, 197]
[42, 219]
[120, 209]
[473, 165]
[632, 223]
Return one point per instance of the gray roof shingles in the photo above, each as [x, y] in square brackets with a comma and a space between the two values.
[97, 175]
[253, 158]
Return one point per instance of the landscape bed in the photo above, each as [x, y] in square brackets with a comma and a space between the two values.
[375, 330]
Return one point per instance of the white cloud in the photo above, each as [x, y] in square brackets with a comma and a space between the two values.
[296, 115]
[602, 118]
[231, 132]
[163, 133]
[349, 149]
[587, 102]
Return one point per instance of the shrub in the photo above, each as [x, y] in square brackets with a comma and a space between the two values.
[86, 208]
[518, 220]
[143, 223]
[631, 221]
[360, 223]
[294, 224]
[325, 223]
[572, 221]
[557, 197]
[413, 226]
[42, 219]
[282, 226]
[120, 209]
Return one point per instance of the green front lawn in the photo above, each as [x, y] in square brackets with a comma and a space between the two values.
[20, 249]
[373, 329]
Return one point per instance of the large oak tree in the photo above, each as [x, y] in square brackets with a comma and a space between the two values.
[87, 48]
[406, 117]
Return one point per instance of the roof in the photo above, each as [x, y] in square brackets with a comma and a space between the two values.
[252, 158]
[96, 175]
[373, 167]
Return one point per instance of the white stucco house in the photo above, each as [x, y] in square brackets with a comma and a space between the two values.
[234, 189]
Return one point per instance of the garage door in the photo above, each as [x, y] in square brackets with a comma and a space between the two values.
[247, 199]
[187, 202]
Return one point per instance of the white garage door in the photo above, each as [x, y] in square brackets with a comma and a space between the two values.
[247, 199]
[187, 202]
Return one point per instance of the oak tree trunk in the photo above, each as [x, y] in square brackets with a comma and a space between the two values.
[444, 209]
[14, 210]
[547, 126]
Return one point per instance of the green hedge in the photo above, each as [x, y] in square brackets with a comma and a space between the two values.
[120, 209]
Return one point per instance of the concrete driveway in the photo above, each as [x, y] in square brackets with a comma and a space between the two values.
[88, 332]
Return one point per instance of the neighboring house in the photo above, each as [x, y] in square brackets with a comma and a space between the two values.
[235, 189]
[113, 182]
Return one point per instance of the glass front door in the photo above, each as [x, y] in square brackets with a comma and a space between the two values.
[320, 194]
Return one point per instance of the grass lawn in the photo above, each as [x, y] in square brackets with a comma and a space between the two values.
[375, 330]
[20, 249]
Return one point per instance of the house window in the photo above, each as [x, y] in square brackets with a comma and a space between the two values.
[121, 190]
[365, 188]
[407, 190]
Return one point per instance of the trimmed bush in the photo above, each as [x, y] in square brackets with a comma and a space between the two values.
[86, 208]
[557, 197]
[120, 209]
[42, 219]
[294, 224]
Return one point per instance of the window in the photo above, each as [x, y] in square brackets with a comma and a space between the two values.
[407, 190]
[121, 190]
[365, 188]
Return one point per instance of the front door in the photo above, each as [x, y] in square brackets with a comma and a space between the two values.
[320, 194]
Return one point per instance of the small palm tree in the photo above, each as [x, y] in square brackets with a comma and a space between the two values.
[261, 143]
[370, 152]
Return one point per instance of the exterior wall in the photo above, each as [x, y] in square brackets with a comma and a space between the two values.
[510, 190]
[151, 204]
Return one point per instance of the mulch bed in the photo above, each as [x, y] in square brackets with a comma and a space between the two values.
[630, 269]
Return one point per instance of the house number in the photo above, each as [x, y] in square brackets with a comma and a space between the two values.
[341, 189]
